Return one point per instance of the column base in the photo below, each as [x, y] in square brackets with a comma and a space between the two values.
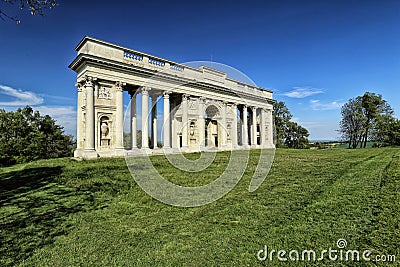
[119, 152]
[78, 153]
[89, 154]
[167, 150]
[268, 146]
[184, 149]
[145, 151]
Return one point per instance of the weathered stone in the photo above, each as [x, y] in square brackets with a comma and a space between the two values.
[200, 104]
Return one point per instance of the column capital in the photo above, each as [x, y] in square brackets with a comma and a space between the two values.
[166, 94]
[119, 85]
[254, 108]
[79, 86]
[185, 97]
[89, 80]
[202, 99]
[145, 90]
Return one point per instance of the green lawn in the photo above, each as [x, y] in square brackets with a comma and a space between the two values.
[91, 213]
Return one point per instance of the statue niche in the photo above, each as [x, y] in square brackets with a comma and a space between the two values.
[211, 134]
[105, 132]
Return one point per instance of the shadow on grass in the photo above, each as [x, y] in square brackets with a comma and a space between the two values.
[33, 210]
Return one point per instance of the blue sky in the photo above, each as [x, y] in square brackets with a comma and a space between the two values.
[314, 55]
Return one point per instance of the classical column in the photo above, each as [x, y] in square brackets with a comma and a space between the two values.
[245, 140]
[154, 119]
[184, 121]
[254, 126]
[79, 118]
[119, 117]
[270, 132]
[89, 122]
[201, 124]
[224, 131]
[133, 121]
[145, 117]
[174, 128]
[167, 121]
[234, 127]
[262, 128]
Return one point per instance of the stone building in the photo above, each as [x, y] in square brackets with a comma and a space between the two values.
[202, 108]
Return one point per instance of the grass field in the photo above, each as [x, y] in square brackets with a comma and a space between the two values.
[91, 213]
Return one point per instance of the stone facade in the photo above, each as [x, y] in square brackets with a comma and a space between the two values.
[202, 108]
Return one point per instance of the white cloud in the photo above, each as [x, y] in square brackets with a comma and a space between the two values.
[21, 98]
[317, 105]
[302, 92]
[64, 115]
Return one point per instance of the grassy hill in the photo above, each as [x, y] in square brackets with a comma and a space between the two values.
[91, 213]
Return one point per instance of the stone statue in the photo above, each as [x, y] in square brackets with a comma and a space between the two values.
[104, 129]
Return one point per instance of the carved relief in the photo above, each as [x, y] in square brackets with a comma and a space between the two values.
[104, 93]
[192, 104]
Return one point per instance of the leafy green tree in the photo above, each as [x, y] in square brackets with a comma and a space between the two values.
[282, 117]
[34, 6]
[388, 130]
[288, 133]
[353, 120]
[25, 135]
[365, 118]
[373, 107]
[296, 136]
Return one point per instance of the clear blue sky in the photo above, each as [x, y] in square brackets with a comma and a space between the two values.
[315, 55]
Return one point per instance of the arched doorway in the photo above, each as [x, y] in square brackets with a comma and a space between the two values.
[211, 126]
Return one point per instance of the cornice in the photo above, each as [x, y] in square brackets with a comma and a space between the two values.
[87, 59]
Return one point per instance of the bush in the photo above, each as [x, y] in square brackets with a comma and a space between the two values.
[25, 135]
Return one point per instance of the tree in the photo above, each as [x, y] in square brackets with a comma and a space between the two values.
[365, 118]
[388, 130]
[296, 136]
[282, 116]
[373, 108]
[34, 6]
[25, 135]
[288, 133]
[351, 125]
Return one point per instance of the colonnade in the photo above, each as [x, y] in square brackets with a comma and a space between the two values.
[201, 105]
[252, 134]
[259, 137]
